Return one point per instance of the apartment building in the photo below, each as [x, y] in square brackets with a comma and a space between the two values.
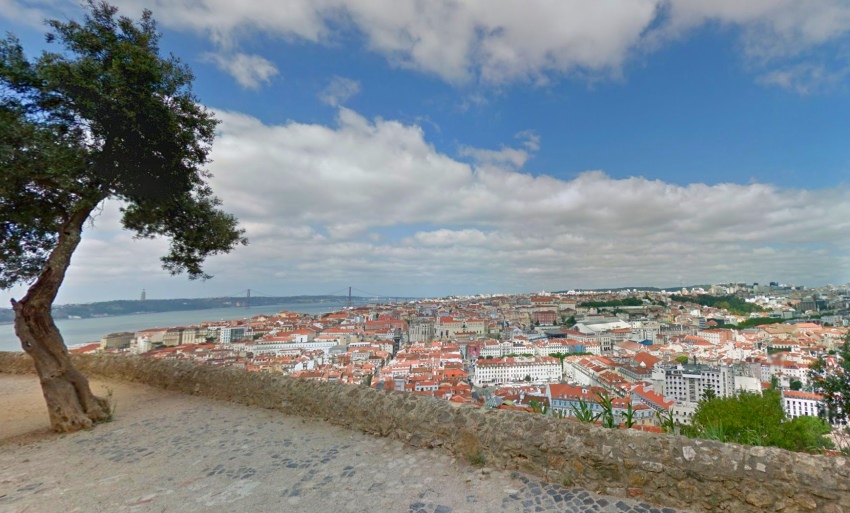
[507, 370]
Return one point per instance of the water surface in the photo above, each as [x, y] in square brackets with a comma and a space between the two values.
[81, 331]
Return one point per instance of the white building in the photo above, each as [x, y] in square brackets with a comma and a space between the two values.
[688, 384]
[263, 347]
[506, 370]
[796, 403]
[227, 335]
[606, 333]
[140, 345]
[491, 348]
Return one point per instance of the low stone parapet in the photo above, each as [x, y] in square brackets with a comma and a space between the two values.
[662, 469]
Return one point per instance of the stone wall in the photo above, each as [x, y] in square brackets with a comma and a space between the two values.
[667, 470]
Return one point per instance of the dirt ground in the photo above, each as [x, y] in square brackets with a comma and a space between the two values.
[24, 413]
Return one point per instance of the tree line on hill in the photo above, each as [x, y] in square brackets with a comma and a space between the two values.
[629, 301]
[732, 304]
[129, 307]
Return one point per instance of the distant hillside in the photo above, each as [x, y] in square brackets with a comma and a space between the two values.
[127, 307]
[732, 304]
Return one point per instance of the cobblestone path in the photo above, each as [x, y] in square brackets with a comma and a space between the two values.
[168, 452]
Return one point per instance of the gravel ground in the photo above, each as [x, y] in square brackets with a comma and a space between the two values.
[168, 452]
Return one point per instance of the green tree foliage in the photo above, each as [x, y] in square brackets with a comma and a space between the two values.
[747, 418]
[559, 356]
[754, 419]
[833, 383]
[106, 117]
[805, 434]
[757, 321]
[733, 304]
[776, 350]
[629, 301]
[774, 382]
[568, 322]
[796, 384]
[683, 359]
[538, 407]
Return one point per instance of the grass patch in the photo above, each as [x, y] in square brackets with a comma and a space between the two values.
[111, 404]
[476, 458]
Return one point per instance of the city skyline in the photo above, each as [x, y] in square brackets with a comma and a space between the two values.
[474, 149]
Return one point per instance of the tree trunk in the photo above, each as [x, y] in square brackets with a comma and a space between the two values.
[70, 402]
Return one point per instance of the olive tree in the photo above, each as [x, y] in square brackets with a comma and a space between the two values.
[104, 117]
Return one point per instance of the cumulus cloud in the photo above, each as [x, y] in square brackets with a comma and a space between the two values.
[498, 41]
[505, 156]
[373, 202]
[22, 12]
[339, 91]
[773, 28]
[251, 71]
[489, 225]
[806, 78]
[530, 139]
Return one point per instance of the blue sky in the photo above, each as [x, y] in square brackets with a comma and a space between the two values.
[414, 148]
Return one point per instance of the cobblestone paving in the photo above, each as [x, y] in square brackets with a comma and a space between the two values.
[168, 452]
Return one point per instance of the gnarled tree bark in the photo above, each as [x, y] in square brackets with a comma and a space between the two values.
[70, 402]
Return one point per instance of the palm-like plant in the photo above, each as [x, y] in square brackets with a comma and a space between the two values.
[665, 420]
[584, 413]
[607, 413]
[628, 416]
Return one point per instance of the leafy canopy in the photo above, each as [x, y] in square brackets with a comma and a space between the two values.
[831, 378]
[746, 418]
[758, 419]
[106, 117]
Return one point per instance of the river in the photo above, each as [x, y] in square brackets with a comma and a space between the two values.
[81, 331]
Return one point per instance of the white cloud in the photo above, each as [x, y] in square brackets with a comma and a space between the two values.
[805, 78]
[489, 226]
[251, 71]
[530, 139]
[496, 41]
[20, 12]
[506, 156]
[339, 91]
[773, 28]
[513, 158]
[370, 202]
[780, 38]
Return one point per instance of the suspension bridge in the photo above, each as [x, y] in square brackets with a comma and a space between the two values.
[349, 295]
